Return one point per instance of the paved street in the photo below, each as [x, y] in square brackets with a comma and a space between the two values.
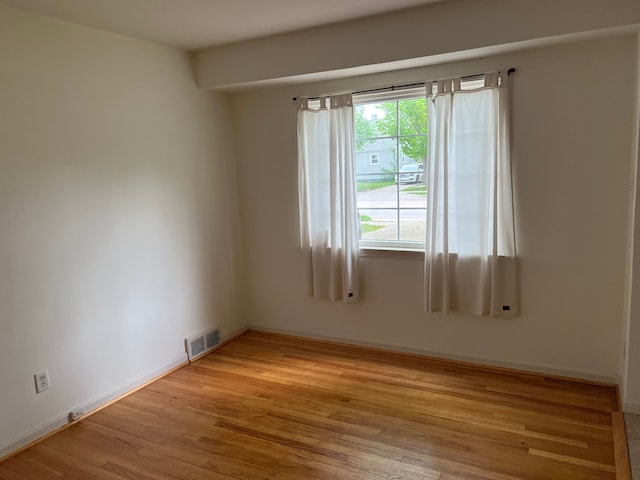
[412, 222]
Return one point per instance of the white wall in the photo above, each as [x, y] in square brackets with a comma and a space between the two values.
[433, 33]
[631, 332]
[572, 150]
[119, 216]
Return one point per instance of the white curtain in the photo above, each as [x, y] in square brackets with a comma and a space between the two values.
[329, 232]
[470, 259]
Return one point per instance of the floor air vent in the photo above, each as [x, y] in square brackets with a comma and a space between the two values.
[202, 343]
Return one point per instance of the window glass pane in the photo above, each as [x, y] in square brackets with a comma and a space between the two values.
[412, 150]
[376, 191]
[413, 195]
[412, 114]
[378, 224]
[413, 225]
[376, 120]
[384, 151]
[411, 180]
[363, 124]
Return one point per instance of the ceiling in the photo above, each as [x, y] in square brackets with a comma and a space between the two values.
[197, 24]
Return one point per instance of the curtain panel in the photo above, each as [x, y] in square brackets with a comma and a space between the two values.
[470, 258]
[329, 233]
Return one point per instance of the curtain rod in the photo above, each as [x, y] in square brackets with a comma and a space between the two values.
[403, 86]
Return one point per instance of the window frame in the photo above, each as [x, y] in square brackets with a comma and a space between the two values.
[382, 97]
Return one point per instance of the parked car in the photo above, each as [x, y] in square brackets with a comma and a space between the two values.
[413, 173]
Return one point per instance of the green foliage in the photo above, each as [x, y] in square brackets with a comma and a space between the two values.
[366, 186]
[391, 177]
[369, 227]
[417, 189]
[405, 117]
[364, 127]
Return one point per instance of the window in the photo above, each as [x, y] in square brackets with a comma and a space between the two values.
[391, 150]
[462, 167]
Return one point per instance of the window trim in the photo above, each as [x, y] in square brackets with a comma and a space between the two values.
[393, 253]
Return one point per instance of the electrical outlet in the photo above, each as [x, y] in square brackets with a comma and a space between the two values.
[42, 381]
[75, 414]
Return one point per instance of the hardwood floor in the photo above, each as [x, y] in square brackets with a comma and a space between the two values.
[275, 407]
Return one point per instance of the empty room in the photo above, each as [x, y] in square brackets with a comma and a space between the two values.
[288, 239]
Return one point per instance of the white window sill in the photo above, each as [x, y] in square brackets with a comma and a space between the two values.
[393, 253]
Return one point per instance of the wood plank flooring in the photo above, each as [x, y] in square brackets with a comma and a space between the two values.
[275, 407]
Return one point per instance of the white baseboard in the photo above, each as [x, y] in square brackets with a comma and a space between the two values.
[543, 369]
[631, 408]
[39, 431]
[231, 336]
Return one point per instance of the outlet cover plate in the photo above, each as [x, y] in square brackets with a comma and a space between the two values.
[42, 381]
